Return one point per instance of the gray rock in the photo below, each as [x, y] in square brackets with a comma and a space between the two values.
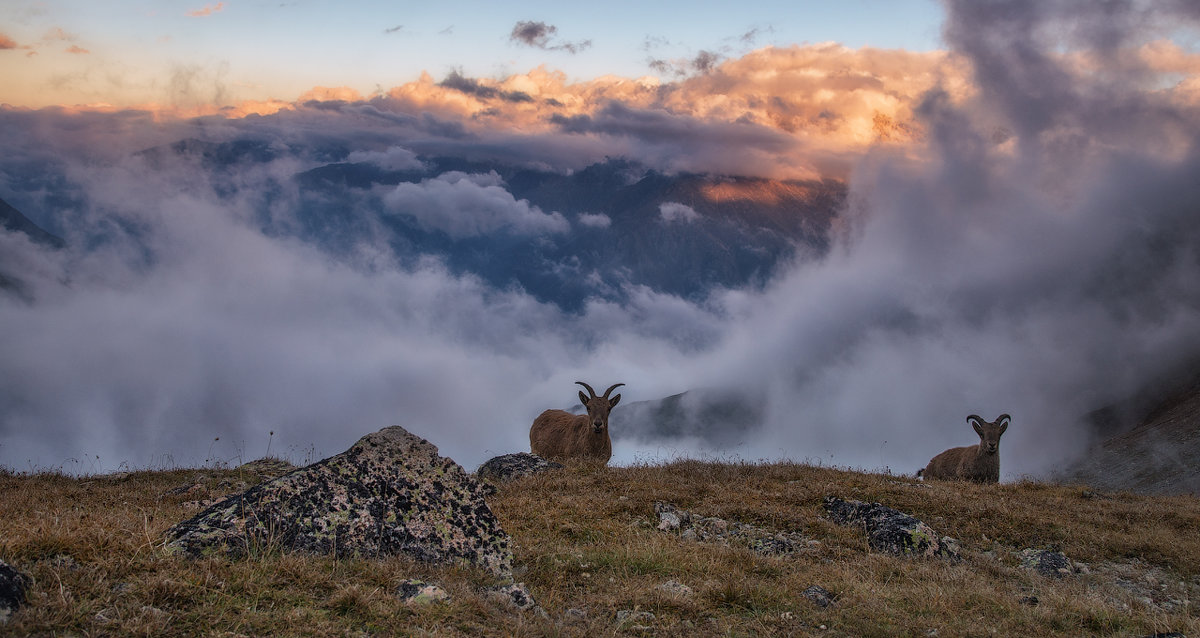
[390, 493]
[819, 596]
[502, 469]
[760, 540]
[1048, 563]
[514, 594]
[631, 616]
[889, 530]
[418, 592]
[13, 585]
[675, 588]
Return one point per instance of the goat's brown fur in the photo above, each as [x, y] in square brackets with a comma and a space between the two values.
[558, 434]
[979, 463]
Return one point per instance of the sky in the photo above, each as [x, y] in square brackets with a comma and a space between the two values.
[127, 53]
[1018, 236]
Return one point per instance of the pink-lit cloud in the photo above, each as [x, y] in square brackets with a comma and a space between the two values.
[76, 49]
[7, 42]
[207, 10]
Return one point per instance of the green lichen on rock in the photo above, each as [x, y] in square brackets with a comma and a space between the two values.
[891, 531]
[390, 493]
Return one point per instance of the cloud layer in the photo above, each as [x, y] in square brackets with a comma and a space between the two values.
[1020, 238]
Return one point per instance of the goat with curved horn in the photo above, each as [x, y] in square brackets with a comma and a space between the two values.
[979, 463]
[558, 434]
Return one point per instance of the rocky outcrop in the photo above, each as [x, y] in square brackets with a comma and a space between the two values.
[13, 585]
[711, 529]
[390, 493]
[508, 467]
[891, 531]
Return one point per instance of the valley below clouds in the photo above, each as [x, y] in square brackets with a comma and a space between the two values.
[855, 249]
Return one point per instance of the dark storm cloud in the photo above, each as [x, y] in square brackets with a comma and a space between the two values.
[457, 81]
[541, 35]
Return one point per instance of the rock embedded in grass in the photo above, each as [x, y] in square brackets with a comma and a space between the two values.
[508, 467]
[13, 585]
[390, 493]
[760, 540]
[819, 596]
[1048, 563]
[418, 592]
[891, 531]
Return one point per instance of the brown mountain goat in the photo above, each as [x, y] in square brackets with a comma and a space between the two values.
[979, 463]
[558, 434]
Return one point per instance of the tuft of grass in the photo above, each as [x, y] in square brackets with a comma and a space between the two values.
[587, 547]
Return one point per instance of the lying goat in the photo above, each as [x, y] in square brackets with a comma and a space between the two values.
[979, 463]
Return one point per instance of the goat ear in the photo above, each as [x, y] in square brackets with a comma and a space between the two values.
[583, 398]
[612, 403]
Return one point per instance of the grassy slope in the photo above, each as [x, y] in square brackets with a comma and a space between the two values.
[585, 539]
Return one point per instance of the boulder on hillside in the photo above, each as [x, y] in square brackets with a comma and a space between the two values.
[13, 585]
[508, 467]
[390, 493]
[891, 531]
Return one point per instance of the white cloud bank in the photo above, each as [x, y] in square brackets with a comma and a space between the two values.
[463, 205]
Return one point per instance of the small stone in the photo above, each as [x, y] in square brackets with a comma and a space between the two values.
[418, 592]
[819, 596]
[786, 616]
[669, 521]
[633, 616]
[675, 588]
[65, 561]
[575, 613]
[1048, 563]
[515, 595]
[13, 585]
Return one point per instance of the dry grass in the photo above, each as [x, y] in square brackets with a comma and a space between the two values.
[585, 540]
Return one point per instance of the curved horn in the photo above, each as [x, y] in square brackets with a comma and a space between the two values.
[977, 418]
[614, 387]
[1003, 417]
[589, 388]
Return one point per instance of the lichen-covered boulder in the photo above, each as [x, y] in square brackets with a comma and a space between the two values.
[891, 531]
[502, 469]
[390, 493]
[13, 585]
